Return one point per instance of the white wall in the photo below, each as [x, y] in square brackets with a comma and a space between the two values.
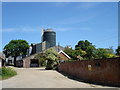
[0, 62]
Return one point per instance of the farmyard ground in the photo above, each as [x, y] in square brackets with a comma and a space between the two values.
[41, 78]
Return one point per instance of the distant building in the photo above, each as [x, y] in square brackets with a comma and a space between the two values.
[63, 56]
[2, 59]
[68, 46]
[48, 39]
[10, 60]
[31, 62]
[36, 48]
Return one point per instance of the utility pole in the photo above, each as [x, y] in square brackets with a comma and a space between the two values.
[58, 46]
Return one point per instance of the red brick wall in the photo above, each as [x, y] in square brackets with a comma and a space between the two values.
[101, 71]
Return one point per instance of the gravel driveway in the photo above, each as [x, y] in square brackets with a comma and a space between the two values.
[41, 78]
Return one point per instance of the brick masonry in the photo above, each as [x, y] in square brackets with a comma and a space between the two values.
[103, 71]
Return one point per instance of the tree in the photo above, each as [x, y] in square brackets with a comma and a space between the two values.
[15, 48]
[118, 51]
[87, 47]
[102, 53]
[69, 52]
[51, 57]
[78, 53]
[83, 45]
[42, 58]
[110, 50]
[74, 53]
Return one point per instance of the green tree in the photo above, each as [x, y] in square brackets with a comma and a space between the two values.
[118, 51]
[69, 52]
[42, 58]
[74, 53]
[83, 45]
[15, 48]
[87, 47]
[77, 53]
[51, 57]
[102, 53]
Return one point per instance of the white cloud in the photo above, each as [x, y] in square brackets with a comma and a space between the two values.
[27, 29]
[88, 5]
[21, 29]
[69, 29]
[38, 29]
[8, 30]
[75, 20]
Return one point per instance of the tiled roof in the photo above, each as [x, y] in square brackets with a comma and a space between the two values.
[61, 51]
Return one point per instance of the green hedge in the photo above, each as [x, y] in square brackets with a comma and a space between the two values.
[7, 72]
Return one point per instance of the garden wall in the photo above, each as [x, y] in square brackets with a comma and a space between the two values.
[103, 71]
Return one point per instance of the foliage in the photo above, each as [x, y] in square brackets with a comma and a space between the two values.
[7, 72]
[101, 53]
[50, 55]
[69, 52]
[15, 48]
[52, 58]
[87, 47]
[79, 53]
[83, 45]
[110, 50]
[42, 58]
[71, 60]
[74, 53]
[118, 51]
[85, 50]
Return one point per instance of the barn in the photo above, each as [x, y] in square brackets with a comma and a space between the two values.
[31, 62]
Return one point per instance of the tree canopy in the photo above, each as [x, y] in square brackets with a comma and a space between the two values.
[87, 47]
[83, 45]
[74, 53]
[15, 48]
[101, 53]
[118, 51]
[50, 55]
[87, 51]
[41, 57]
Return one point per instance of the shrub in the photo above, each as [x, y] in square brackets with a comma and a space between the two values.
[71, 60]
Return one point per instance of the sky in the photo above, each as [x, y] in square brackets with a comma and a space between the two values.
[96, 22]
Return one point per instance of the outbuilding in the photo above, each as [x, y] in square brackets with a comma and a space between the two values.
[63, 56]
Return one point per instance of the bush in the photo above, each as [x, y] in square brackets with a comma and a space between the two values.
[71, 60]
[7, 72]
[49, 65]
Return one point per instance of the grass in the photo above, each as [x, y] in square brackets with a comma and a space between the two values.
[7, 72]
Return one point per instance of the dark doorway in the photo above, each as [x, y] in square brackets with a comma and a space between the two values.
[19, 63]
[34, 63]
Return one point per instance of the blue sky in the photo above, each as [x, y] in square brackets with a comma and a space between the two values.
[96, 22]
